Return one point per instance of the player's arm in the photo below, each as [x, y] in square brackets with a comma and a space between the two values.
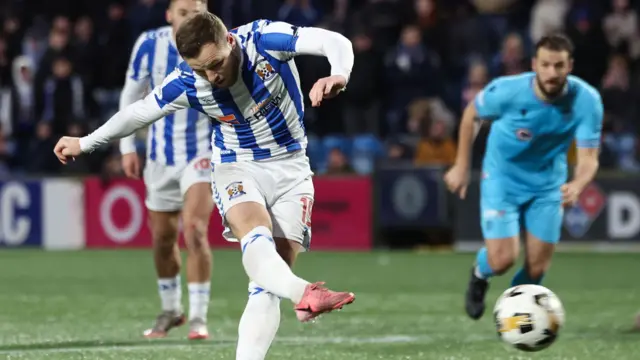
[486, 106]
[284, 41]
[588, 136]
[163, 100]
[136, 84]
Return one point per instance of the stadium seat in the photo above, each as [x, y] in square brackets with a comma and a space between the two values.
[366, 150]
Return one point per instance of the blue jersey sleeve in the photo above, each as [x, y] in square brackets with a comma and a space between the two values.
[490, 100]
[279, 39]
[141, 55]
[590, 113]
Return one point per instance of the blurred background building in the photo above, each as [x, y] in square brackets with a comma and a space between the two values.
[418, 63]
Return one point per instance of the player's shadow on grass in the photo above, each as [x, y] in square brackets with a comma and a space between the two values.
[60, 345]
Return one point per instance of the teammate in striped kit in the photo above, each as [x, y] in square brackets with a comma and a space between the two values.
[176, 175]
[246, 80]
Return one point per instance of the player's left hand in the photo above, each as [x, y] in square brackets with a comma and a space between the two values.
[326, 88]
[67, 147]
[570, 193]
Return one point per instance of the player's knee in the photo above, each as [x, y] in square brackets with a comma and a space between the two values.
[501, 260]
[244, 217]
[196, 234]
[164, 239]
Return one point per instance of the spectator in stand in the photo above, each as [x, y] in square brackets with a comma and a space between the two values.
[362, 108]
[426, 16]
[512, 59]
[547, 17]
[591, 50]
[58, 47]
[5, 154]
[617, 96]
[116, 42]
[39, 153]
[436, 146]
[143, 15]
[338, 163]
[64, 99]
[412, 71]
[86, 60]
[19, 108]
[298, 12]
[621, 28]
[13, 32]
[477, 79]
[5, 64]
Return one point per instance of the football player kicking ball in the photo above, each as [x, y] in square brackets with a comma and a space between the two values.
[535, 117]
[246, 80]
[177, 177]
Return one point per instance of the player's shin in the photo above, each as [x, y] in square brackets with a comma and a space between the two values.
[198, 269]
[483, 269]
[264, 265]
[258, 325]
[522, 277]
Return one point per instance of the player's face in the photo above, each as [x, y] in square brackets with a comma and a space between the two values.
[552, 69]
[217, 63]
[180, 10]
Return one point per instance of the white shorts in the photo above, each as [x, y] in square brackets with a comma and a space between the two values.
[284, 186]
[167, 185]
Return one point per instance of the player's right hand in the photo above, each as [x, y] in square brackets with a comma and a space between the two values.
[457, 180]
[131, 165]
[67, 147]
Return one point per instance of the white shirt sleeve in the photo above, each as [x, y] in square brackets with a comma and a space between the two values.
[164, 100]
[283, 41]
[136, 84]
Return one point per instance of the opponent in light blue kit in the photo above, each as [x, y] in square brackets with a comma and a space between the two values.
[535, 117]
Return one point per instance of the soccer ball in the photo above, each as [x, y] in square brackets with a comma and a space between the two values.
[528, 317]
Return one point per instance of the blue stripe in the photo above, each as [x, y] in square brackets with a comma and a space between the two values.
[147, 48]
[154, 144]
[275, 118]
[279, 41]
[246, 138]
[191, 134]
[169, 120]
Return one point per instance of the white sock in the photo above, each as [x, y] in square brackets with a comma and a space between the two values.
[170, 290]
[198, 300]
[266, 268]
[258, 325]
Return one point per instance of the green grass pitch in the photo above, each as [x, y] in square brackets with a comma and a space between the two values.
[95, 304]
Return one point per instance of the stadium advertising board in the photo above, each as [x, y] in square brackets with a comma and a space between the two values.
[607, 210]
[410, 197]
[20, 214]
[116, 217]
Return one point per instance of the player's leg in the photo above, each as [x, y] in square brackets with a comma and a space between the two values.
[500, 228]
[195, 184]
[543, 221]
[261, 317]
[164, 202]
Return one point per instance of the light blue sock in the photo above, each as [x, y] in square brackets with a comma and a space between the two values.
[483, 269]
[522, 278]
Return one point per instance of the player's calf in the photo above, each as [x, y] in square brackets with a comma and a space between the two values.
[537, 261]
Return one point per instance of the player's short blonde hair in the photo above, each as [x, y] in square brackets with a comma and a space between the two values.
[200, 29]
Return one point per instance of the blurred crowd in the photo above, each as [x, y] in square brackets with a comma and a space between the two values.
[417, 64]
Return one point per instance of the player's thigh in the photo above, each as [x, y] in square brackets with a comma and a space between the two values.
[291, 213]
[543, 221]
[195, 184]
[543, 217]
[239, 198]
[162, 188]
[164, 201]
[500, 222]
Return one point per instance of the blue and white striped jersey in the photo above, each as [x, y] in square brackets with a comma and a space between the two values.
[178, 137]
[261, 115]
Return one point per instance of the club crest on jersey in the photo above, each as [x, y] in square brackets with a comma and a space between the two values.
[235, 190]
[524, 134]
[265, 71]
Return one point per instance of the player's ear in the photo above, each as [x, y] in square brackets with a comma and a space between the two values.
[168, 16]
[231, 40]
[533, 63]
[570, 64]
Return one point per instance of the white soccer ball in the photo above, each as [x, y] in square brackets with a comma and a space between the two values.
[528, 317]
